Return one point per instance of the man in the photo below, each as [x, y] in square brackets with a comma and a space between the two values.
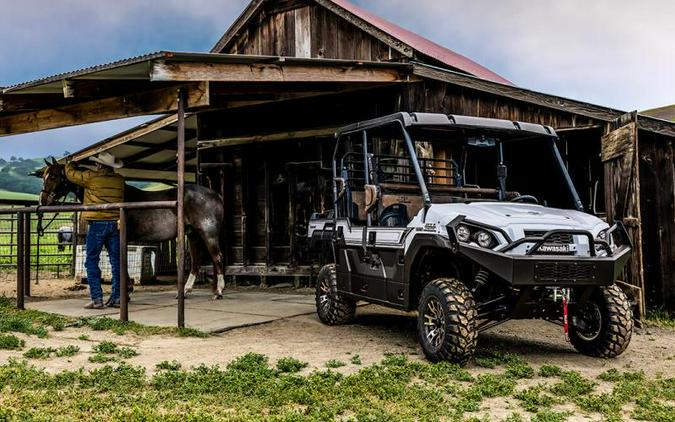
[101, 186]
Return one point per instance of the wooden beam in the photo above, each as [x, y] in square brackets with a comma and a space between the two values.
[281, 136]
[28, 102]
[151, 102]
[144, 174]
[125, 138]
[269, 72]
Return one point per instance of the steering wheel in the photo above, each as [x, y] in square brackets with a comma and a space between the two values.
[526, 198]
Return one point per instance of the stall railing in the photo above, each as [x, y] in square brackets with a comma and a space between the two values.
[23, 218]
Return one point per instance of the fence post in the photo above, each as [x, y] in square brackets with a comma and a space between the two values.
[124, 279]
[26, 250]
[180, 220]
[19, 261]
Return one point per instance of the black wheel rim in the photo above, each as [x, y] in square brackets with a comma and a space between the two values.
[324, 295]
[434, 322]
[588, 321]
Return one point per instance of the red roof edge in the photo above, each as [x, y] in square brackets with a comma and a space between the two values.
[423, 45]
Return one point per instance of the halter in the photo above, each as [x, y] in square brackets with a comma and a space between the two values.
[52, 197]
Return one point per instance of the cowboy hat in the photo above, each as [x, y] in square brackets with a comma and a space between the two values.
[107, 159]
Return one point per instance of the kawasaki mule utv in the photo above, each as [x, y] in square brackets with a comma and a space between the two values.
[426, 218]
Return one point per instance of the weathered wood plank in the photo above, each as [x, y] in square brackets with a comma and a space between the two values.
[281, 136]
[362, 25]
[303, 35]
[270, 72]
[238, 25]
[152, 102]
[619, 142]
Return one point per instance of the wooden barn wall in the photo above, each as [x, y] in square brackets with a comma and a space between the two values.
[441, 97]
[657, 202]
[296, 29]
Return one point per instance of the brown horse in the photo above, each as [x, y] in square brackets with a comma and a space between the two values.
[204, 215]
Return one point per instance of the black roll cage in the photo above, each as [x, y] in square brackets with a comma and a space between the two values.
[433, 120]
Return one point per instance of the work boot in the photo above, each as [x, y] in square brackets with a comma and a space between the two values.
[95, 304]
[112, 304]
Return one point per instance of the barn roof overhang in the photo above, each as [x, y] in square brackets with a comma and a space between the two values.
[147, 85]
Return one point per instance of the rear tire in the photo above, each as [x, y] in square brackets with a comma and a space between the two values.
[332, 308]
[602, 327]
[446, 321]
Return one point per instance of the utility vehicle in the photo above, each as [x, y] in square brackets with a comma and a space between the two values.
[426, 217]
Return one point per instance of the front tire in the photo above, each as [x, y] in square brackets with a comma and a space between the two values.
[603, 325]
[446, 321]
[332, 308]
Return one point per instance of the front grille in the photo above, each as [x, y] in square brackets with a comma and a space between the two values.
[558, 238]
[564, 271]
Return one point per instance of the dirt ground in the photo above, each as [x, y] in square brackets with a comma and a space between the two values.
[376, 332]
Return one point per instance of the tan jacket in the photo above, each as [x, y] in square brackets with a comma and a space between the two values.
[100, 187]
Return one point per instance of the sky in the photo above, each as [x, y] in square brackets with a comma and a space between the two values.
[616, 53]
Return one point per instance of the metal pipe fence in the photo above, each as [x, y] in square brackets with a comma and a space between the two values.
[52, 253]
[24, 242]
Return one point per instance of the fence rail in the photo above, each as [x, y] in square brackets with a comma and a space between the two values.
[24, 238]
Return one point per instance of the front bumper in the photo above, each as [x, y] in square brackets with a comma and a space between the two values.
[554, 270]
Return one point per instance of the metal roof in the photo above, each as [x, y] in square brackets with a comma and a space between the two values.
[138, 68]
[423, 45]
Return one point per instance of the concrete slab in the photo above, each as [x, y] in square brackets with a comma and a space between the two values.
[236, 309]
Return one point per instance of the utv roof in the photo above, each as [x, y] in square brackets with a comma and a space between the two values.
[440, 121]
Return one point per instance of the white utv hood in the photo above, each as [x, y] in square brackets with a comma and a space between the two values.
[514, 219]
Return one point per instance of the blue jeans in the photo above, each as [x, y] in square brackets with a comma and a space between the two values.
[103, 233]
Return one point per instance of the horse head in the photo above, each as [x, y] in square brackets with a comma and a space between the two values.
[55, 184]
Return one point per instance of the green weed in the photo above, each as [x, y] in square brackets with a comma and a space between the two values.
[168, 366]
[548, 415]
[533, 399]
[572, 385]
[334, 363]
[11, 342]
[355, 360]
[67, 351]
[549, 371]
[290, 365]
[39, 352]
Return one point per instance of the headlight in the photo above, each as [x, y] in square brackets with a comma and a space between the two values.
[603, 234]
[484, 239]
[463, 233]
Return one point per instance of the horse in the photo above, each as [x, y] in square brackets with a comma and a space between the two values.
[203, 209]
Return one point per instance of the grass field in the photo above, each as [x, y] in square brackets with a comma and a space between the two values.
[9, 195]
[251, 387]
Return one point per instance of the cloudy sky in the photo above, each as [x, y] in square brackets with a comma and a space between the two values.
[617, 53]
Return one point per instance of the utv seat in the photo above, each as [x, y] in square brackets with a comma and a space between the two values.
[395, 215]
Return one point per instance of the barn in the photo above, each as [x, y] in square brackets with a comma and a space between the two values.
[264, 103]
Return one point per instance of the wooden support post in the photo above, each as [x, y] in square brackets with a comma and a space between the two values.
[124, 268]
[26, 252]
[19, 261]
[268, 228]
[180, 220]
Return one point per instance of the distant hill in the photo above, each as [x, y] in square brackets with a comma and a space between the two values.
[15, 175]
[15, 179]
[17, 196]
[664, 113]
